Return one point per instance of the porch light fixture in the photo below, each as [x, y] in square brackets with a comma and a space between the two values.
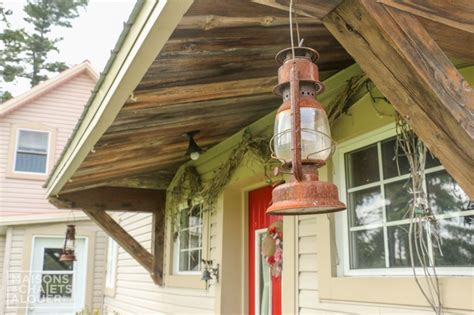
[302, 138]
[208, 271]
[67, 253]
[194, 150]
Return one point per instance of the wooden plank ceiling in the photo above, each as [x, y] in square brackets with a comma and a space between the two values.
[215, 74]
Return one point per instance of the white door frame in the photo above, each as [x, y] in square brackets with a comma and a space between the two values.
[78, 305]
[258, 261]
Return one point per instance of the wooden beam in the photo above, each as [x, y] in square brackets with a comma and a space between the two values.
[309, 8]
[448, 23]
[157, 246]
[209, 22]
[125, 240]
[457, 14]
[112, 198]
[410, 69]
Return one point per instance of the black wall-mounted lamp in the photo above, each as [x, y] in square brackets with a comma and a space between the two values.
[208, 271]
[194, 150]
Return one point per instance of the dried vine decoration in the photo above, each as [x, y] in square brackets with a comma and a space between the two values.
[423, 222]
[184, 187]
[343, 102]
[187, 187]
[257, 147]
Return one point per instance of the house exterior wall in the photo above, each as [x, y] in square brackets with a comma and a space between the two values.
[58, 109]
[135, 292]
[23, 198]
[307, 241]
[2, 255]
[19, 255]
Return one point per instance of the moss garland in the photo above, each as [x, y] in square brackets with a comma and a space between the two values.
[187, 186]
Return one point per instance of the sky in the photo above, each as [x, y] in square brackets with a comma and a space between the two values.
[92, 36]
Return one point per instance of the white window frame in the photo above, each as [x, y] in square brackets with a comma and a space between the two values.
[342, 234]
[177, 250]
[48, 151]
[111, 271]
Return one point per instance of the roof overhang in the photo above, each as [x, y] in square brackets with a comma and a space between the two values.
[152, 26]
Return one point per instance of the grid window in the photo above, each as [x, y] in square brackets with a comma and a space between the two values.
[188, 251]
[31, 153]
[379, 198]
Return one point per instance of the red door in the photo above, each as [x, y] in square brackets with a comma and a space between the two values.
[259, 200]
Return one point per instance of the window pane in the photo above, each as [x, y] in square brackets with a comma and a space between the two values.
[184, 261]
[184, 219]
[365, 207]
[398, 246]
[184, 239]
[444, 193]
[195, 237]
[51, 260]
[367, 249]
[195, 217]
[33, 141]
[194, 261]
[30, 162]
[56, 286]
[431, 160]
[457, 242]
[362, 167]
[398, 200]
[392, 165]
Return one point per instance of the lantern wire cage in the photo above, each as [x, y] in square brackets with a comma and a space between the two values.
[286, 164]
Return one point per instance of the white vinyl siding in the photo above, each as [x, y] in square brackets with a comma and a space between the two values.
[16, 257]
[135, 292]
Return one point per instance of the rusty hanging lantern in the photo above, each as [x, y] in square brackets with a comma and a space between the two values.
[302, 138]
[67, 253]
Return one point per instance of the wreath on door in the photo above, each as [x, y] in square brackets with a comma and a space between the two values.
[272, 248]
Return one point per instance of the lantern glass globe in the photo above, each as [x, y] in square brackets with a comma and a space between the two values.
[315, 135]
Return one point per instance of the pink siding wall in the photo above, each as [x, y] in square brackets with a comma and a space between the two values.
[59, 108]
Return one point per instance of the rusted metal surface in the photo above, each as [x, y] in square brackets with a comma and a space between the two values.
[298, 84]
[308, 71]
[68, 251]
[296, 122]
[308, 196]
[304, 102]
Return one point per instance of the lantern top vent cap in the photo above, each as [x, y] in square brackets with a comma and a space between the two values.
[300, 52]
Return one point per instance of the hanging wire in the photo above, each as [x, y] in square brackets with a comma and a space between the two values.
[291, 29]
[300, 40]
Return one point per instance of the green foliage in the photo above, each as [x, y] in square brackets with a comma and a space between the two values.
[24, 52]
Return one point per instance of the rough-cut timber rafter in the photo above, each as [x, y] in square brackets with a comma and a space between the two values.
[112, 198]
[157, 246]
[94, 202]
[410, 69]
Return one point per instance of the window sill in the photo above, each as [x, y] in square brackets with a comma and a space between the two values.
[456, 291]
[28, 176]
[185, 281]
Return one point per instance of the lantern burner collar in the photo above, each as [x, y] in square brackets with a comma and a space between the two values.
[300, 52]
